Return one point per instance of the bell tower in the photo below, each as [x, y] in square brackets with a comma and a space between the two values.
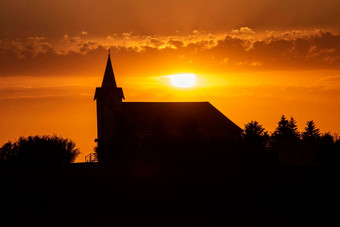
[109, 104]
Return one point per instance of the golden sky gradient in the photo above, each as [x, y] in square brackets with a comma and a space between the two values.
[254, 60]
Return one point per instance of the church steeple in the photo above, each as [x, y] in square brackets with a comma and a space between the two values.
[109, 87]
[109, 77]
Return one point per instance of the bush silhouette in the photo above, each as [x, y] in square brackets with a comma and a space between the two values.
[38, 151]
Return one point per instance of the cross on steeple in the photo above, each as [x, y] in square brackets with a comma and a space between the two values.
[109, 77]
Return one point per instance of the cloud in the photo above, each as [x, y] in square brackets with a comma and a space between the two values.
[243, 31]
[290, 50]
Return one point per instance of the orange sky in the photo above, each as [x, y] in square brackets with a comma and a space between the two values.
[253, 61]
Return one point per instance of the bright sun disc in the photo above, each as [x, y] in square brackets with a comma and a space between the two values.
[184, 80]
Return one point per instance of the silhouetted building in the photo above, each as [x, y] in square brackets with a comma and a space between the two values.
[123, 126]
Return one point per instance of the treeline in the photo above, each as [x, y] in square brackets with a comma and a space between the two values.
[38, 151]
[286, 145]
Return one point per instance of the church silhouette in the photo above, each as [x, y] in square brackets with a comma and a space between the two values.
[161, 130]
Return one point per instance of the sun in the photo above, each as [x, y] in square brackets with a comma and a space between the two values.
[183, 80]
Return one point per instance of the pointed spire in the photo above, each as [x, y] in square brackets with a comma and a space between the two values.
[109, 77]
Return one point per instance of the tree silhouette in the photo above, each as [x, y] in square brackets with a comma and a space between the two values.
[38, 151]
[255, 135]
[311, 140]
[293, 128]
[286, 130]
[282, 128]
[328, 152]
[285, 142]
[255, 140]
[327, 139]
[8, 152]
[311, 133]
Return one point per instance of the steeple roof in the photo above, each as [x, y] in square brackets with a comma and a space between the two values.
[109, 77]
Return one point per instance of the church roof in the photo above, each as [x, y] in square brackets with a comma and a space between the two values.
[109, 77]
[174, 116]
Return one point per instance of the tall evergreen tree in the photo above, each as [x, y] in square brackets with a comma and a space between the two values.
[286, 129]
[293, 130]
[311, 133]
[285, 144]
[286, 133]
[255, 135]
[282, 128]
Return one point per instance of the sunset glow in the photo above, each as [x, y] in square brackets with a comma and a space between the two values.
[169, 112]
[183, 80]
[252, 61]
